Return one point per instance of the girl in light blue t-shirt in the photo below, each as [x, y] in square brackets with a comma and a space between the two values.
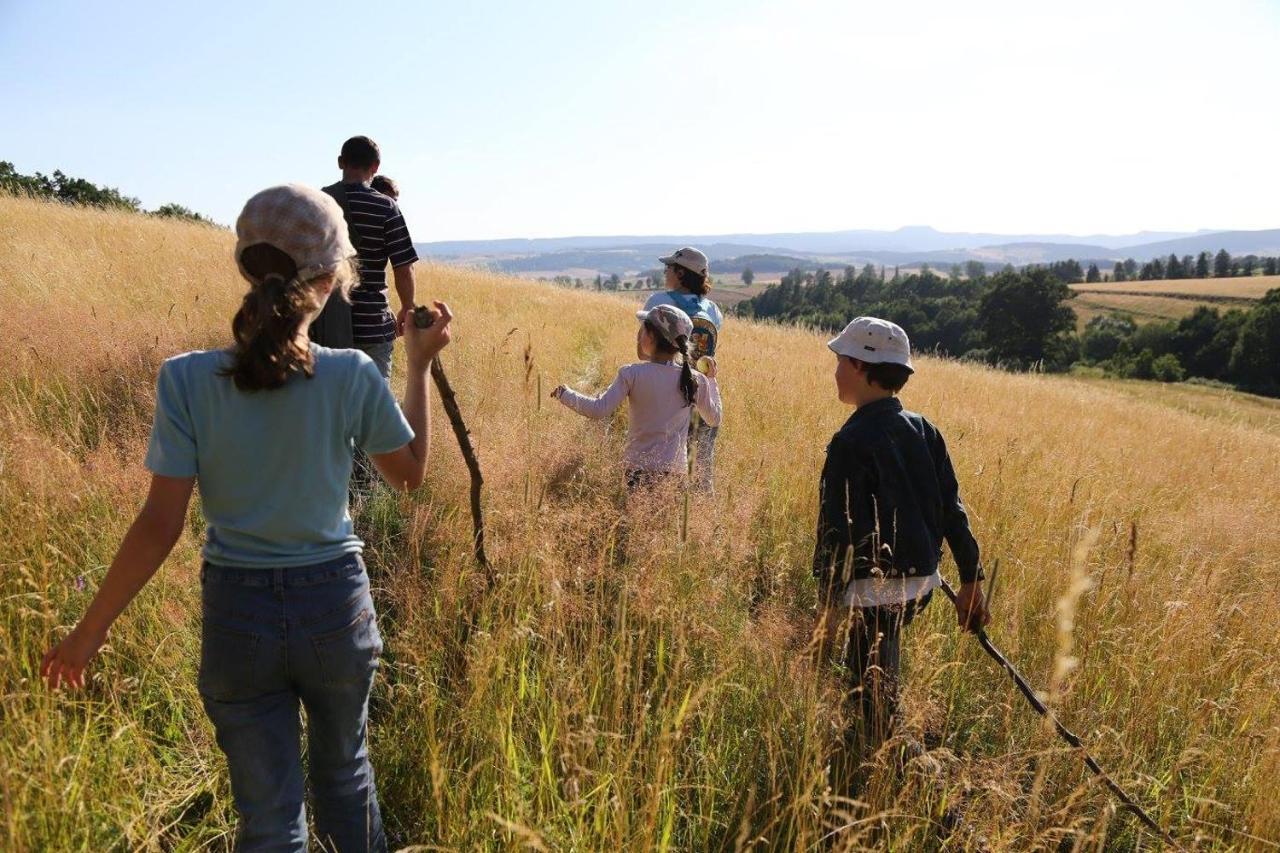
[268, 427]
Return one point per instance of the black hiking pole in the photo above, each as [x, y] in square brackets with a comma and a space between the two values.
[423, 317]
[1063, 732]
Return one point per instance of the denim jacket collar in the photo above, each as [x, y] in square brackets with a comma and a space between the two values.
[888, 404]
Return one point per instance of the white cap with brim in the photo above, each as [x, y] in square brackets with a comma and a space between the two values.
[689, 258]
[670, 321]
[304, 223]
[874, 341]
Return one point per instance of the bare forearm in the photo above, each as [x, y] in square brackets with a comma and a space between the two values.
[418, 413]
[141, 554]
[406, 286]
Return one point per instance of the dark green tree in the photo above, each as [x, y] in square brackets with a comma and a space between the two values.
[1255, 360]
[748, 276]
[1024, 315]
[1222, 264]
[1203, 265]
[177, 211]
[1094, 275]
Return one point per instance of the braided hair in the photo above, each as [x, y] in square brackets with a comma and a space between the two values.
[688, 384]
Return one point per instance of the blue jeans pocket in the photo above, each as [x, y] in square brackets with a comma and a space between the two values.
[350, 654]
[227, 661]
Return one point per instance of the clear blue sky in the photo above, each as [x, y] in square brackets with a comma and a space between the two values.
[556, 117]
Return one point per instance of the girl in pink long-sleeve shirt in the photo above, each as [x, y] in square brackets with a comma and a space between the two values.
[663, 397]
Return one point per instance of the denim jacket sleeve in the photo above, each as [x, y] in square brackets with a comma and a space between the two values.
[955, 521]
[844, 478]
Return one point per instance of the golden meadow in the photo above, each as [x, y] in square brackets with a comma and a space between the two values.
[621, 686]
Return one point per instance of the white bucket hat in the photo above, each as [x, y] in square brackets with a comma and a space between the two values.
[874, 341]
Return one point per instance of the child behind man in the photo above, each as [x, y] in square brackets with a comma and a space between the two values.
[888, 498]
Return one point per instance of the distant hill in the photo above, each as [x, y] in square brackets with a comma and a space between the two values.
[1236, 242]
[913, 239]
[911, 246]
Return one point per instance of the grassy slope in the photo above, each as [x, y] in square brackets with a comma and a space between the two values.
[657, 698]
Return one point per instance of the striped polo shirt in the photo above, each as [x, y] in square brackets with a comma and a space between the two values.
[380, 235]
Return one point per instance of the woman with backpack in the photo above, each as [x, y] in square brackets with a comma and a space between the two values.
[688, 282]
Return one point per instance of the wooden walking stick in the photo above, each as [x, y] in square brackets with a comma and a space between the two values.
[1063, 732]
[423, 317]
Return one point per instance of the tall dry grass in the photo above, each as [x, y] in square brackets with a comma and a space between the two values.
[619, 688]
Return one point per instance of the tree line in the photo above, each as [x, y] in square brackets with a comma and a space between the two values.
[69, 190]
[613, 282]
[1022, 319]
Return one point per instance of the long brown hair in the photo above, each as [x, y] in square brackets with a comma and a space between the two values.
[267, 352]
[695, 283]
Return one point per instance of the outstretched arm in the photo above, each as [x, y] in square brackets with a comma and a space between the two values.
[597, 407]
[150, 539]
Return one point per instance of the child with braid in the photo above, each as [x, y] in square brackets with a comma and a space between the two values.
[663, 394]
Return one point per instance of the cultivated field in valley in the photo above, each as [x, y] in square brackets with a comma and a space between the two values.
[1167, 300]
[624, 686]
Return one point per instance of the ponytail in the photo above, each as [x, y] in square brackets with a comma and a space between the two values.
[699, 285]
[267, 352]
[688, 385]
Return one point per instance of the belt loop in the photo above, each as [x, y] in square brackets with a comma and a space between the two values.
[277, 579]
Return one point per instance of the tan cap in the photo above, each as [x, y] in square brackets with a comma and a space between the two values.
[304, 223]
[689, 258]
[874, 341]
[670, 321]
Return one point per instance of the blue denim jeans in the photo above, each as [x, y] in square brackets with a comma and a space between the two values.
[702, 446]
[274, 641]
[381, 355]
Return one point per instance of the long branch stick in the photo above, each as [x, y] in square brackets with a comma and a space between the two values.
[423, 317]
[1063, 732]
[450, 402]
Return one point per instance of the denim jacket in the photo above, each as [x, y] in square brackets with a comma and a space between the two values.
[887, 499]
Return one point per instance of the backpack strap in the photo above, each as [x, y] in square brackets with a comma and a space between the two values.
[338, 192]
[333, 327]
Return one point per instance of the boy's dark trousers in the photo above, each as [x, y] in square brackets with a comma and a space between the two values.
[874, 659]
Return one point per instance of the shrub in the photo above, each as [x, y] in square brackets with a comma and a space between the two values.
[1167, 368]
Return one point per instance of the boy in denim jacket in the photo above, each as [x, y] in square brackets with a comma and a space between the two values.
[888, 499]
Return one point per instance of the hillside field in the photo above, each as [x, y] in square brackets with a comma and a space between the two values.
[626, 687]
[1168, 300]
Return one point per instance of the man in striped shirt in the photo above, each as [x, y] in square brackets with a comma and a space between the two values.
[379, 234]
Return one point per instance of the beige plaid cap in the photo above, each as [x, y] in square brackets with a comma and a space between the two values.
[670, 321]
[304, 223]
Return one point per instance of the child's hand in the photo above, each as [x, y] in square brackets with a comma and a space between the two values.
[421, 345]
[707, 366]
[65, 662]
[558, 391]
[971, 607]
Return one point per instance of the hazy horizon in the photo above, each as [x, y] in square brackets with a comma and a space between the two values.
[577, 119]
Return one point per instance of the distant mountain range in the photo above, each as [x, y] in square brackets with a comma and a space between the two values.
[904, 247]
